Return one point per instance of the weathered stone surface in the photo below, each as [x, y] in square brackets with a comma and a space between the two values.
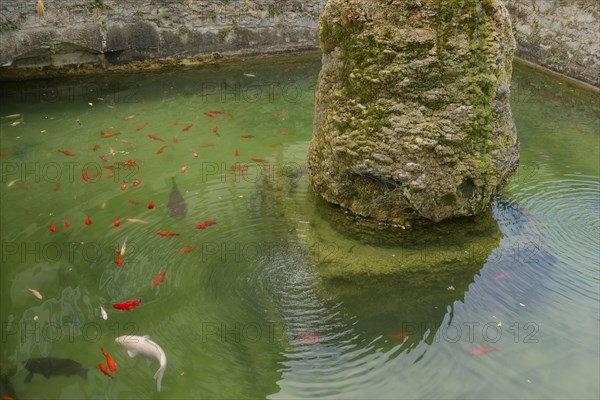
[412, 112]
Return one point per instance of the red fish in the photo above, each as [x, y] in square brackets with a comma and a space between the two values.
[258, 159]
[109, 176]
[67, 153]
[66, 224]
[105, 135]
[167, 233]
[111, 167]
[291, 68]
[215, 129]
[247, 136]
[123, 186]
[237, 153]
[501, 276]
[482, 350]
[88, 221]
[284, 133]
[156, 138]
[150, 206]
[134, 202]
[109, 360]
[187, 128]
[104, 158]
[119, 260]
[127, 305]
[209, 115]
[175, 140]
[57, 186]
[217, 112]
[52, 227]
[184, 168]
[159, 151]
[117, 222]
[105, 371]
[206, 145]
[96, 147]
[143, 103]
[84, 175]
[186, 249]
[279, 114]
[205, 224]
[136, 182]
[140, 127]
[159, 278]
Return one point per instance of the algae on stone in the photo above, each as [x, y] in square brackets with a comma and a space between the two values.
[412, 114]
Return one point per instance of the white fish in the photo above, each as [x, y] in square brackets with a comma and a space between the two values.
[103, 313]
[15, 123]
[9, 184]
[143, 345]
[12, 116]
[250, 75]
[122, 252]
[36, 294]
[136, 221]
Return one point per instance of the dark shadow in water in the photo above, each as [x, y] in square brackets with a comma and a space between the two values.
[176, 207]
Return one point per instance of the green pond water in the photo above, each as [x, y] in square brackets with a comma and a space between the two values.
[285, 296]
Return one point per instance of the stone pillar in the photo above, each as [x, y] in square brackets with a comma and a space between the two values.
[412, 114]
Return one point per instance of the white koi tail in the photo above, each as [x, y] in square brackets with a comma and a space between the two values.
[159, 375]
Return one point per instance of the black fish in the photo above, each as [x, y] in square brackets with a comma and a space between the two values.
[176, 207]
[50, 366]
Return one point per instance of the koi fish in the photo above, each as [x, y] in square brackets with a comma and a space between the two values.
[96, 147]
[482, 350]
[88, 221]
[217, 112]
[258, 159]
[123, 247]
[309, 337]
[67, 153]
[109, 176]
[127, 305]
[103, 313]
[184, 168]
[159, 151]
[205, 224]
[279, 114]
[136, 221]
[187, 128]
[501, 276]
[105, 135]
[208, 114]
[105, 371]
[194, 154]
[167, 233]
[247, 136]
[186, 249]
[84, 175]
[35, 294]
[156, 138]
[215, 129]
[284, 133]
[159, 278]
[150, 206]
[127, 118]
[66, 224]
[140, 127]
[109, 360]
[52, 227]
[117, 222]
[57, 186]
[143, 345]
[206, 145]
[291, 68]
[134, 202]
[111, 167]
[175, 140]
[123, 186]
[237, 153]
[143, 103]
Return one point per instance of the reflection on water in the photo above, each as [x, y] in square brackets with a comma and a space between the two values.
[285, 296]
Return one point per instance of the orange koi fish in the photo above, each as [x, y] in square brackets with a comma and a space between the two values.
[216, 112]
[52, 227]
[105, 135]
[123, 186]
[150, 207]
[140, 127]
[109, 176]
[258, 159]
[205, 145]
[237, 153]
[111, 167]
[208, 114]
[127, 305]
[104, 158]
[186, 249]
[134, 202]
[109, 360]
[117, 222]
[156, 138]
[482, 350]
[175, 140]
[187, 128]
[105, 371]
[184, 168]
[84, 175]
[205, 224]
[159, 151]
[143, 103]
[96, 147]
[57, 186]
[215, 129]
[279, 114]
[247, 136]
[88, 221]
[167, 233]
[67, 153]
[136, 182]
[66, 224]
[159, 278]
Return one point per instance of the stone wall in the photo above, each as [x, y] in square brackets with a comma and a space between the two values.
[562, 35]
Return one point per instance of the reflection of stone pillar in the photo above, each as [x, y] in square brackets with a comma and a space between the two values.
[412, 109]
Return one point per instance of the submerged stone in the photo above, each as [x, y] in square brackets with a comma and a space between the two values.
[412, 114]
